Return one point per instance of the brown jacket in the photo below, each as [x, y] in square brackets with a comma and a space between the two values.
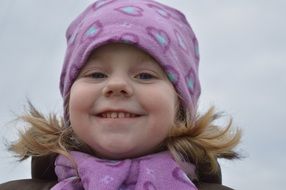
[44, 178]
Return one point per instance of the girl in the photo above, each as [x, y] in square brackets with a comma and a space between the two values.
[130, 87]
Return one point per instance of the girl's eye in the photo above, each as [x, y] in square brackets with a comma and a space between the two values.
[145, 76]
[97, 75]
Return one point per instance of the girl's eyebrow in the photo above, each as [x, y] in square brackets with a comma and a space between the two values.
[146, 59]
[148, 62]
[98, 59]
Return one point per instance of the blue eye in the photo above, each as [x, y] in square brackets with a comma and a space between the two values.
[97, 75]
[145, 76]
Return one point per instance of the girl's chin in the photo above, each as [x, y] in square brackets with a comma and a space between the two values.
[115, 147]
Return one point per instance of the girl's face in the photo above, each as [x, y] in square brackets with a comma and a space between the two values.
[122, 104]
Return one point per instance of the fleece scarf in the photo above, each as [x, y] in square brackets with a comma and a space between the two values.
[152, 172]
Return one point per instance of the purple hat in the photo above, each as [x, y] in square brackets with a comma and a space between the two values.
[159, 30]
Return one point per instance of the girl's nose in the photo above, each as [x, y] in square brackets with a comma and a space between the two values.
[117, 87]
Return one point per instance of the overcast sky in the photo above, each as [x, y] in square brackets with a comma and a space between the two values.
[242, 71]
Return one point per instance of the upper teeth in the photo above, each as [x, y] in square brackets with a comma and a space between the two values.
[117, 115]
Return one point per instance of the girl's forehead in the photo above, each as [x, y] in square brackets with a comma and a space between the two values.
[120, 49]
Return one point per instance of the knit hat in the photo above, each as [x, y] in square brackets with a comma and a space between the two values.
[161, 31]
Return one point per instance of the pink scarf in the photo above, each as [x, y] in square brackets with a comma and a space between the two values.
[152, 172]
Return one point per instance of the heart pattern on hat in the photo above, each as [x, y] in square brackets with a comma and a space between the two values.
[160, 36]
[182, 44]
[160, 11]
[72, 38]
[93, 30]
[172, 74]
[191, 81]
[130, 10]
[196, 48]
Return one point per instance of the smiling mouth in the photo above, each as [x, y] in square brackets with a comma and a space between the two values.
[116, 115]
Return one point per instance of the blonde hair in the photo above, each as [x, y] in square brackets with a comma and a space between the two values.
[200, 142]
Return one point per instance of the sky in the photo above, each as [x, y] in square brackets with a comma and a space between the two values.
[243, 61]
